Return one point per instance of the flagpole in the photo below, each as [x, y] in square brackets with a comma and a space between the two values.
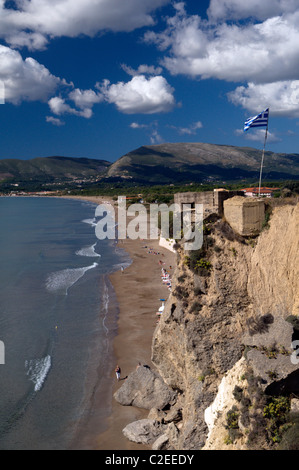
[263, 155]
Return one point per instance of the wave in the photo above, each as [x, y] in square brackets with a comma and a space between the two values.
[118, 266]
[37, 371]
[88, 251]
[63, 280]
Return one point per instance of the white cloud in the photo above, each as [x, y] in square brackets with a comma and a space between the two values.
[25, 80]
[282, 97]
[85, 98]
[262, 49]
[136, 125]
[142, 70]
[55, 121]
[140, 95]
[260, 52]
[156, 138]
[258, 135]
[59, 107]
[37, 20]
[220, 10]
[192, 129]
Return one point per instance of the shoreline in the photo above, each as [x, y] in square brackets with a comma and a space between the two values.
[137, 292]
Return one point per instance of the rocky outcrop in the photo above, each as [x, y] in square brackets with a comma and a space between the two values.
[145, 389]
[146, 431]
[225, 337]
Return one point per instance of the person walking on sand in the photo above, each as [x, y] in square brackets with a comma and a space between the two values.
[118, 372]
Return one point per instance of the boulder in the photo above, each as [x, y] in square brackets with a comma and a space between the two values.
[144, 431]
[145, 389]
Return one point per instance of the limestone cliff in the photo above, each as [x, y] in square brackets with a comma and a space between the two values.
[223, 342]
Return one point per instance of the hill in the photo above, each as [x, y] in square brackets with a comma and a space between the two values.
[157, 164]
[51, 169]
[187, 162]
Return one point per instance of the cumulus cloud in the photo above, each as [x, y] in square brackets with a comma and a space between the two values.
[252, 51]
[59, 107]
[140, 95]
[25, 80]
[235, 10]
[85, 99]
[282, 97]
[253, 42]
[34, 21]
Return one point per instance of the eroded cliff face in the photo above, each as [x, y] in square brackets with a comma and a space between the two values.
[220, 325]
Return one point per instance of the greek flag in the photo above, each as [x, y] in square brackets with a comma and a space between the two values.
[261, 120]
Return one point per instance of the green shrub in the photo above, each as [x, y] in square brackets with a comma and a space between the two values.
[276, 413]
[232, 418]
[277, 409]
[232, 424]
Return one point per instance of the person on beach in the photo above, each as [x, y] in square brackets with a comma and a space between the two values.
[118, 372]
[122, 269]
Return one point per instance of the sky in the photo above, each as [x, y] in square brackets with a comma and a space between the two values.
[99, 78]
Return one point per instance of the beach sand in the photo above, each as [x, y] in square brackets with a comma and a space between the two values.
[138, 292]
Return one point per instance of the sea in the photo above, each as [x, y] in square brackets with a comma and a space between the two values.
[58, 318]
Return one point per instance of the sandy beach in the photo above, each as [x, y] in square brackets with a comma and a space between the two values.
[138, 292]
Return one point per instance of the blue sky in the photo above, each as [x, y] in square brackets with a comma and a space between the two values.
[98, 78]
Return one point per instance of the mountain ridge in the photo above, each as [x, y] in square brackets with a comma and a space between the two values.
[159, 164]
[51, 168]
[201, 161]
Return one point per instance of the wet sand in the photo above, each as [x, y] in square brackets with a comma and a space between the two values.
[138, 291]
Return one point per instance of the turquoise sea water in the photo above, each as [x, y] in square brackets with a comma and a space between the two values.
[54, 320]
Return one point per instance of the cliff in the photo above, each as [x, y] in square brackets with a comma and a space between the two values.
[223, 343]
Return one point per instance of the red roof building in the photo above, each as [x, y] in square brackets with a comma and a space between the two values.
[265, 192]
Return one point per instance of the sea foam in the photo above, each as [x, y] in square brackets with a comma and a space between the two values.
[88, 251]
[63, 280]
[37, 371]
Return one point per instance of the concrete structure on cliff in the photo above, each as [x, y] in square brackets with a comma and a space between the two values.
[245, 215]
[212, 201]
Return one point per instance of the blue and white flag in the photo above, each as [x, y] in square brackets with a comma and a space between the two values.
[261, 120]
